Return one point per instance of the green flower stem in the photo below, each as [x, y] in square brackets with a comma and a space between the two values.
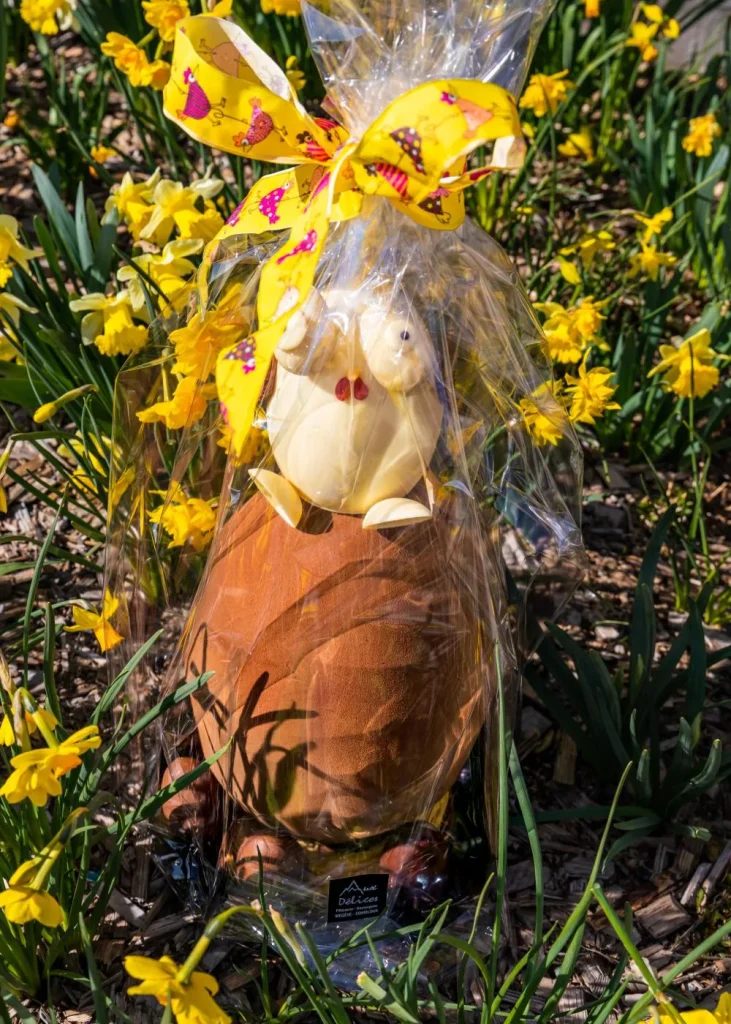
[212, 929]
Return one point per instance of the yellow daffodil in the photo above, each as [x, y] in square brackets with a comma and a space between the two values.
[48, 16]
[168, 269]
[198, 343]
[48, 409]
[590, 394]
[186, 520]
[669, 26]
[102, 153]
[108, 323]
[641, 37]
[591, 8]
[579, 144]
[654, 224]
[295, 76]
[4, 460]
[589, 245]
[569, 272]
[11, 250]
[570, 332]
[701, 133]
[25, 899]
[23, 903]
[11, 120]
[544, 415]
[290, 8]
[36, 772]
[164, 15]
[204, 226]
[7, 732]
[186, 406]
[10, 307]
[545, 92]
[131, 60]
[191, 1000]
[99, 623]
[174, 206]
[687, 368]
[131, 200]
[721, 1015]
[649, 260]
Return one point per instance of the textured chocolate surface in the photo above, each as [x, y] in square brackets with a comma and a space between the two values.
[349, 668]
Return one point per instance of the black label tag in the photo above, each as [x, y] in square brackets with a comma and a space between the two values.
[353, 899]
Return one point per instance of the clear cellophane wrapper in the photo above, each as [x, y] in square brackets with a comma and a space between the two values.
[381, 540]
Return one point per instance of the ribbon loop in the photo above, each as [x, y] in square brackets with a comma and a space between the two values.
[226, 92]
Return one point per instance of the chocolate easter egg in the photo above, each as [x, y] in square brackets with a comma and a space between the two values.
[349, 667]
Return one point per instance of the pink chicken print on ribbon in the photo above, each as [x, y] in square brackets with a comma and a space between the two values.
[260, 127]
[307, 244]
[197, 105]
[269, 204]
[474, 115]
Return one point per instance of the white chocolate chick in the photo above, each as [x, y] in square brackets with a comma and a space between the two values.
[355, 415]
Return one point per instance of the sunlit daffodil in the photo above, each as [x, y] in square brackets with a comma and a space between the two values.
[590, 394]
[654, 224]
[544, 415]
[641, 37]
[186, 406]
[48, 16]
[591, 9]
[721, 1014]
[131, 60]
[198, 343]
[191, 1000]
[102, 155]
[546, 92]
[648, 262]
[590, 245]
[687, 369]
[186, 520]
[570, 332]
[289, 8]
[164, 15]
[108, 324]
[98, 622]
[25, 898]
[654, 13]
[295, 76]
[131, 200]
[36, 773]
[174, 206]
[11, 250]
[10, 309]
[701, 133]
[168, 269]
[579, 144]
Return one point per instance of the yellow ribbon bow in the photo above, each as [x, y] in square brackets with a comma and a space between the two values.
[226, 92]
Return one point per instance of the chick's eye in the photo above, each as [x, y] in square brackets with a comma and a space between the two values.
[405, 335]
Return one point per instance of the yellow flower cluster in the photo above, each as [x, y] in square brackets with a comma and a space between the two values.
[545, 92]
[48, 16]
[288, 8]
[184, 519]
[701, 133]
[643, 33]
[155, 208]
[583, 399]
[132, 61]
[36, 773]
[570, 333]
